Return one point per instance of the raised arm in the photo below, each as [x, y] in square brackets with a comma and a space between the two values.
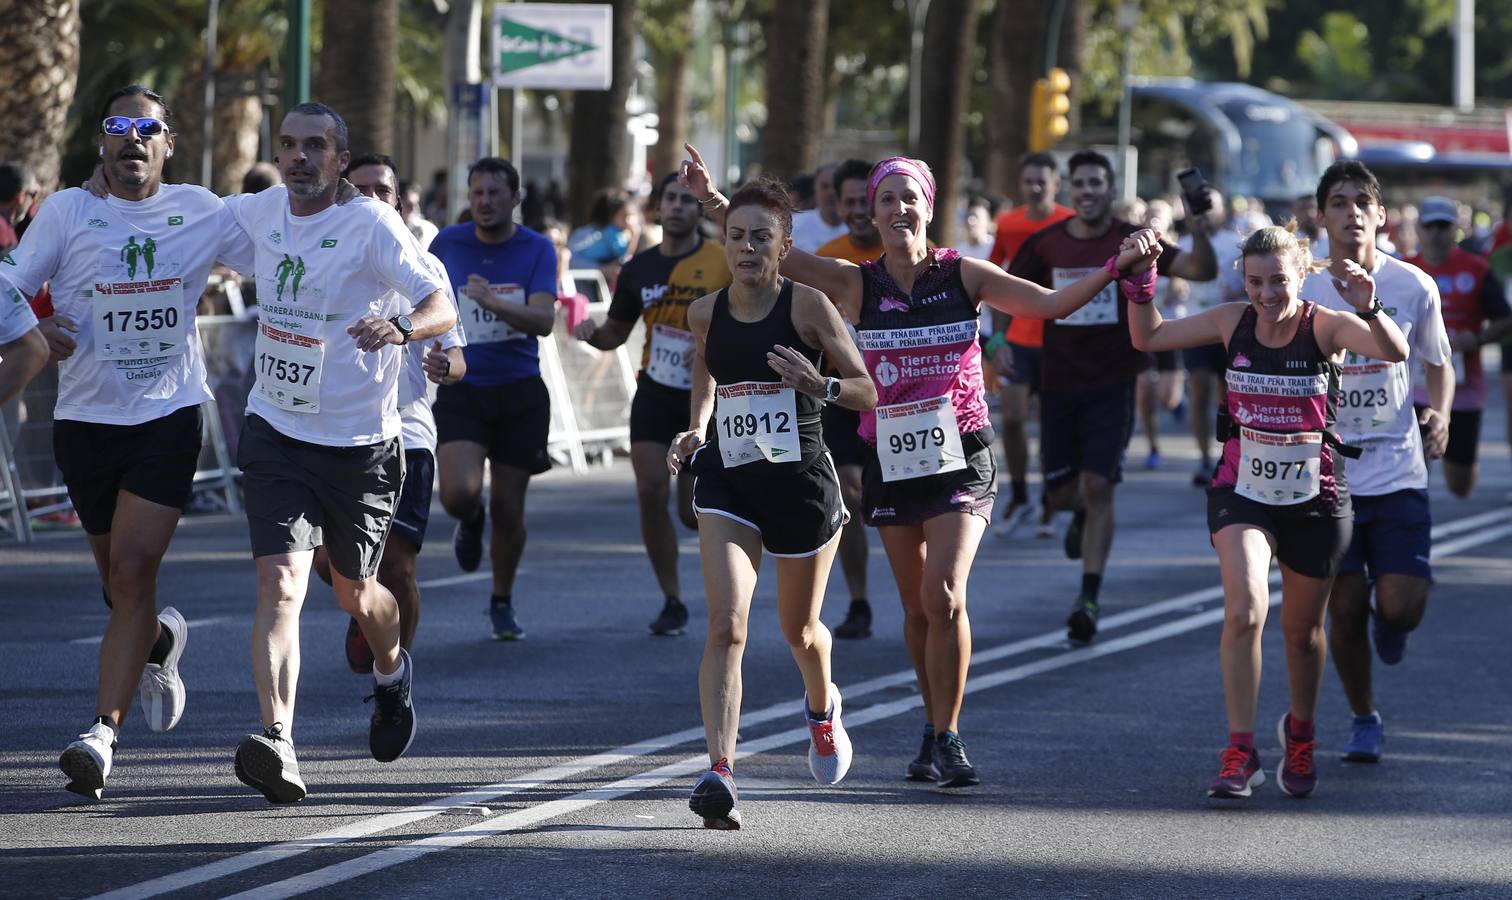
[1010, 294]
[1377, 337]
[1150, 332]
[819, 324]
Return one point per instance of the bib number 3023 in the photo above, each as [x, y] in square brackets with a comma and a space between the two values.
[289, 368]
[139, 319]
[1371, 394]
[756, 420]
[918, 439]
[1279, 469]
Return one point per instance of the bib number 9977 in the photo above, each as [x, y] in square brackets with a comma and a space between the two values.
[1272, 470]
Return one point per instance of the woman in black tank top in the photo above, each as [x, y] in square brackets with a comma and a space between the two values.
[1277, 492]
[763, 479]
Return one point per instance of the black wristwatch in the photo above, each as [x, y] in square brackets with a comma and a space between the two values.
[405, 326]
[1375, 309]
[831, 389]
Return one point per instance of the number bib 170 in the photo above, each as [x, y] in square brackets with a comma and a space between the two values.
[671, 357]
[139, 319]
[289, 368]
[1279, 469]
[485, 326]
[756, 420]
[918, 439]
[1370, 396]
[1100, 310]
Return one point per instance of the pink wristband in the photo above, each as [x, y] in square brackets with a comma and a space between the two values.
[1139, 288]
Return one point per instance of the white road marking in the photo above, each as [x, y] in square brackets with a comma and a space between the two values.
[391, 856]
[192, 623]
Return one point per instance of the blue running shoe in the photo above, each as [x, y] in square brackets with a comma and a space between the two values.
[1390, 644]
[1365, 739]
[505, 628]
[467, 542]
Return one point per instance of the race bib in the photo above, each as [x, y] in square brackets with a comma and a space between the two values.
[671, 357]
[1101, 310]
[485, 326]
[139, 319]
[1370, 396]
[289, 369]
[1279, 469]
[756, 420]
[918, 439]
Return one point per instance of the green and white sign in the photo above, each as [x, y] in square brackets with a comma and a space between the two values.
[564, 46]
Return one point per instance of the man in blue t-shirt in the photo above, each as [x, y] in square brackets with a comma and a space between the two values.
[505, 276]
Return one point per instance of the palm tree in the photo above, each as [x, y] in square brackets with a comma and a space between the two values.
[599, 150]
[796, 34]
[667, 26]
[41, 71]
[359, 49]
[945, 89]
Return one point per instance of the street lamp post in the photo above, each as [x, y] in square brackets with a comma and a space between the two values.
[1128, 19]
[918, 13]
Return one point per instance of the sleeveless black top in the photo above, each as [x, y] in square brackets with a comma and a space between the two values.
[735, 352]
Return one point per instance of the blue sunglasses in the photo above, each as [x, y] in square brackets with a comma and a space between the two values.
[120, 126]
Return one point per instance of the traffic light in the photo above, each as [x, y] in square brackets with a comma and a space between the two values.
[1048, 109]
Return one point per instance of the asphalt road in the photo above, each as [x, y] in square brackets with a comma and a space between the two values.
[560, 765]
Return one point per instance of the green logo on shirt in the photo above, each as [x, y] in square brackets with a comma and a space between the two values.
[175, 220]
[327, 243]
[289, 273]
[133, 253]
[8, 260]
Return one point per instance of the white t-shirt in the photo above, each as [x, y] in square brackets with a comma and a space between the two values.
[16, 316]
[1229, 285]
[129, 274]
[810, 231]
[416, 392]
[316, 276]
[1393, 460]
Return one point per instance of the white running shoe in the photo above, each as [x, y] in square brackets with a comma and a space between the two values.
[86, 761]
[1014, 517]
[829, 745]
[162, 691]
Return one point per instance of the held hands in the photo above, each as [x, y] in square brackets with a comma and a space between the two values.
[1435, 433]
[682, 450]
[585, 331]
[372, 332]
[1139, 251]
[1357, 288]
[437, 364]
[796, 371]
[694, 175]
[55, 329]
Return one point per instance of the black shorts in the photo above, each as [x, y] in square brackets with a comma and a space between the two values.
[301, 495]
[512, 421]
[842, 435]
[796, 514]
[1165, 361]
[1026, 366]
[412, 515]
[914, 501]
[1208, 358]
[1464, 436]
[1311, 545]
[1085, 431]
[154, 460]
[658, 413]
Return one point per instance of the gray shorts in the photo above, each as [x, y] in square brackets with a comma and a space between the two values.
[300, 495]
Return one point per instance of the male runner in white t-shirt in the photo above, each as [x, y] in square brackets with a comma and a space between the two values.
[320, 449]
[127, 270]
[1388, 484]
[23, 349]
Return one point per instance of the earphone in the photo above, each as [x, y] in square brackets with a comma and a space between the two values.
[169, 153]
[102, 153]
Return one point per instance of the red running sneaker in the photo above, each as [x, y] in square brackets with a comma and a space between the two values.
[1240, 775]
[1296, 774]
[359, 655]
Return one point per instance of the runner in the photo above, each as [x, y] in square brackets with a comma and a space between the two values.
[441, 362]
[764, 479]
[813, 228]
[930, 477]
[23, 349]
[127, 270]
[1471, 296]
[660, 284]
[319, 450]
[1089, 368]
[1280, 491]
[505, 277]
[842, 427]
[1016, 353]
[1389, 483]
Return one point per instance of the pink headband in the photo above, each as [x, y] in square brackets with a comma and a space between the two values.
[897, 165]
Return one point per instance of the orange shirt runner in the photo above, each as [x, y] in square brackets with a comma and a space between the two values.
[844, 248]
[1013, 228]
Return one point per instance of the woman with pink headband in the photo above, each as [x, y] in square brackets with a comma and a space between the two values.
[931, 478]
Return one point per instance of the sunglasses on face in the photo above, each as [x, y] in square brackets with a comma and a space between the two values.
[120, 126]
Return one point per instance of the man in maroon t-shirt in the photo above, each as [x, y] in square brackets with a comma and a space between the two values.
[1089, 367]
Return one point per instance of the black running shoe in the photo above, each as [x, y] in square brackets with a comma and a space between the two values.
[467, 542]
[950, 758]
[1081, 625]
[1074, 534]
[673, 619]
[923, 768]
[266, 762]
[714, 799]
[857, 622]
[393, 723]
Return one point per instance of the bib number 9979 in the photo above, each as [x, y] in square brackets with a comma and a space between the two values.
[914, 441]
